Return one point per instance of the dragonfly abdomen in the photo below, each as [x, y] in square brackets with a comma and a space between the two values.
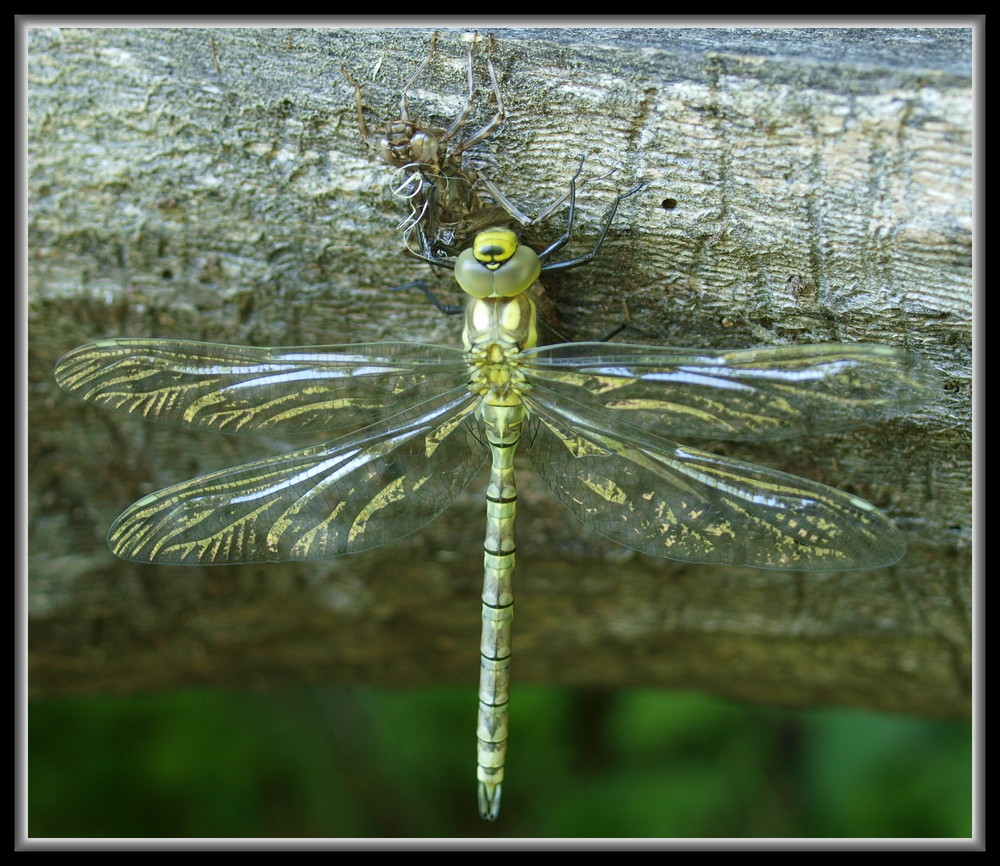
[503, 425]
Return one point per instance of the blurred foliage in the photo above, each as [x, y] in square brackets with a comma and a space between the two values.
[366, 763]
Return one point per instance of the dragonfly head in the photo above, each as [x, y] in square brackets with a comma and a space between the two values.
[496, 265]
[405, 143]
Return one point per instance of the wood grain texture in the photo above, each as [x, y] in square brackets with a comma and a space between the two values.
[203, 184]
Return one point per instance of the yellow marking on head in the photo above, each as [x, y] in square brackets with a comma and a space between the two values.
[494, 246]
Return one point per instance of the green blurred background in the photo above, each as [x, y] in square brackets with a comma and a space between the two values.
[375, 763]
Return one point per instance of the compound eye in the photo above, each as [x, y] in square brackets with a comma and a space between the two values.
[472, 275]
[424, 148]
[517, 273]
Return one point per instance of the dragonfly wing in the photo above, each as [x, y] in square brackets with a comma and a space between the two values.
[665, 499]
[349, 495]
[741, 395]
[239, 389]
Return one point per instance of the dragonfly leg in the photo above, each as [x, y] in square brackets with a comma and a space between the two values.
[561, 242]
[357, 104]
[463, 116]
[495, 121]
[447, 309]
[626, 325]
[563, 239]
[404, 107]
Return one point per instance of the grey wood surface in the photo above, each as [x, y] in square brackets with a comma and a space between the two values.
[211, 184]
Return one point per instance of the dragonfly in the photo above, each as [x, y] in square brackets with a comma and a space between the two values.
[593, 418]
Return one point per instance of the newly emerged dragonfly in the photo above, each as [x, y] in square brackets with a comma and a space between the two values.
[592, 417]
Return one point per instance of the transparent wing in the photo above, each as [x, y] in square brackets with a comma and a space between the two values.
[665, 499]
[238, 389]
[355, 493]
[741, 395]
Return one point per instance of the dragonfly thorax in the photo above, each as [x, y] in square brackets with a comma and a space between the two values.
[496, 330]
[495, 374]
[509, 323]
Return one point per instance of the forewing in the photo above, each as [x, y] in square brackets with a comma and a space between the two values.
[239, 389]
[741, 395]
[665, 499]
[349, 495]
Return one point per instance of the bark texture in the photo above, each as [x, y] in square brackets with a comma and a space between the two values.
[802, 186]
